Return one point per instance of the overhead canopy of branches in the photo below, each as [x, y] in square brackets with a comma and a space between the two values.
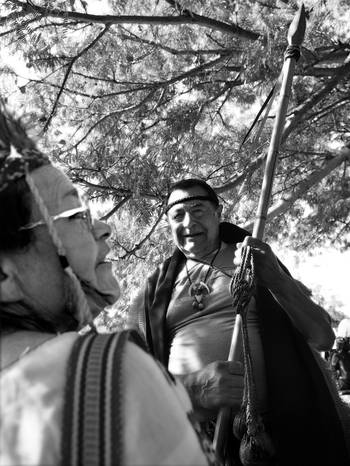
[134, 94]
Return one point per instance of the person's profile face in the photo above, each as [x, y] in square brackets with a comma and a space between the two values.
[194, 223]
[83, 240]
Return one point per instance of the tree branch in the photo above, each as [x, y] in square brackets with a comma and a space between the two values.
[192, 72]
[97, 187]
[57, 86]
[238, 179]
[17, 27]
[193, 19]
[153, 88]
[116, 113]
[329, 109]
[14, 16]
[70, 65]
[299, 112]
[115, 208]
[145, 238]
[319, 72]
[134, 38]
[285, 203]
[315, 98]
[108, 80]
[233, 28]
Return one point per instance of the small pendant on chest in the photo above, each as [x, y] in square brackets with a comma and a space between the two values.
[198, 290]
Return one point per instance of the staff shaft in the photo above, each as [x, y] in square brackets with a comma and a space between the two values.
[259, 225]
[235, 354]
[295, 37]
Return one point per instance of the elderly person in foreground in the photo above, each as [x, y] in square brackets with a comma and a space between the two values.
[185, 314]
[67, 398]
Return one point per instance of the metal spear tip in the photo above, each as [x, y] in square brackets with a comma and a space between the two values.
[297, 27]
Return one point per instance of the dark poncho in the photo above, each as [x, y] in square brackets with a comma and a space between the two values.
[305, 414]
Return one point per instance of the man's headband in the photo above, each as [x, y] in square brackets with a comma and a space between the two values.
[191, 198]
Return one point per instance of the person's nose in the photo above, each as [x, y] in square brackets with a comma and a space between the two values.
[101, 230]
[188, 220]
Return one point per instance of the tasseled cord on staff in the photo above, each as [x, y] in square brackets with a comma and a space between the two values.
[256, 448]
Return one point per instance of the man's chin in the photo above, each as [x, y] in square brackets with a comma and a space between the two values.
[192, 246]
[191, 250]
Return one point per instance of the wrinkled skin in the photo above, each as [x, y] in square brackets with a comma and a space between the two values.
[35, 277]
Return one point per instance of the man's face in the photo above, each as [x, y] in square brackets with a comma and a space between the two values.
[194, 223]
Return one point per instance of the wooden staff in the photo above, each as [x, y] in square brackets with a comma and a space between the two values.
[295, 37]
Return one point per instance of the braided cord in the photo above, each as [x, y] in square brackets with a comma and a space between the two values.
[82, 309]
[242, 290]
[256, 447]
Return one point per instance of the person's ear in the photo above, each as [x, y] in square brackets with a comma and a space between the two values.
[9, 290]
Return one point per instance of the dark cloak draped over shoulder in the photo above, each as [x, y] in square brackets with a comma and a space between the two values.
[304, 411]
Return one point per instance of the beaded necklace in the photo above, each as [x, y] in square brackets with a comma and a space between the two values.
[199, 289]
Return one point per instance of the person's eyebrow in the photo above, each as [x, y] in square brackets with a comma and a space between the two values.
[198, 203]
[176, 208]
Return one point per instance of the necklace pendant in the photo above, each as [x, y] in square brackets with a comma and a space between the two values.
[197, 305]
[199, 289]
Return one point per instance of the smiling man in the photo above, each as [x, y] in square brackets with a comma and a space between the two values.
[194, 223]
[185, 314]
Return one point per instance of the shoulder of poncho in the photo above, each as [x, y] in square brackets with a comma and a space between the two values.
[163, 266]
[231, 233]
